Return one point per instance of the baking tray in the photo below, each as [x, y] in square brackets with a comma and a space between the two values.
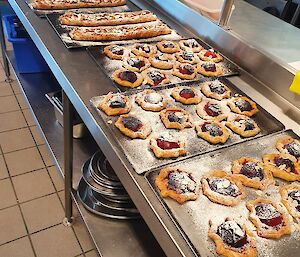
[192, 217]
[138, 149]
[109, 65]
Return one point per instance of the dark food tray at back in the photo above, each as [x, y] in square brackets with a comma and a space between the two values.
[138, 149]
[192, 217]
[109, 65]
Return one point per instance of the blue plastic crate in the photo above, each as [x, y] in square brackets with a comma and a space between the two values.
[28, 57]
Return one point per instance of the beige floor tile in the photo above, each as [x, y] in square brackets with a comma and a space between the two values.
[2, 74]
[32, 185]
[61, 195]
[56, 178]
[29, 117]
[57, 241]
[5, 89]
[18, 248]
[12, 120]
[8, 104]
[22, 101]
[3, 169]
[82, 233]
[16, 140]
[15, 86]
[7, 194]
[38, 215]
[37, 135]
[11, 224]
[23, 161]
[46, 155]
[92, 254]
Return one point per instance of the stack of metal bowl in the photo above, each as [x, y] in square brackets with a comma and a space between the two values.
[101, 191]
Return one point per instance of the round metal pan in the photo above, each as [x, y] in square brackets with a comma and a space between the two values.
[105, 169]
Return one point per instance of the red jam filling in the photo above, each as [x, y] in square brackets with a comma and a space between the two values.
[129, 76]
[284, 161]
[210, 54]
[186, 69]
[167, 145]
[212, 109]
[132, 123]
[209, 67]
[252, 170]
[156, 77]
[268, 215]
[187, 93]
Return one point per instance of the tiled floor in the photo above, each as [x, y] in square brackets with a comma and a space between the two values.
[31, 190]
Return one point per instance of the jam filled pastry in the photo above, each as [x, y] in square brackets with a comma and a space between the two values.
[270, 220]
[212, 131]
[289, 145]
[136, 63]
[232, 239]
[290, 197]
[166, 146]
[177, 184]
[210, 69]
[212, 110]
[175, 118]
[215, 89]
[186, 57]
[162, 61]
[242, 125]
[114, 52]
[184, 71]
[190, 45]
[284, 166]
[127, 78]
[155, 78]
[222, 188]
[151, 100]
[210, 55]
[243, 105]
[252, 173]
[115, 104]
[168, 47]
[186, 95]
[144, 50]
[133, 127]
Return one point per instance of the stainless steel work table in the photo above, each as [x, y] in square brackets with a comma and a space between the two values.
[81, 79]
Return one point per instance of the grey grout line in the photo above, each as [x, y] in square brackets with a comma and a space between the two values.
[25, 148]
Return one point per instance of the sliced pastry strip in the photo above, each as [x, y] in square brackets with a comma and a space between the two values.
[184, 71]
[151, 100]
[136, 63]
[162, 61]
[127, 78]
[190, 45]
[167, 46]
[212, 110]
[210, 55]
[232, 239]
[270, 220]
[175, 118]
[243, 105]
[187, 57]
[177, 184]
[115, 51]
[115, 104]
[216, 89]
[222, 188]
[290, 197]
[155, 77]
[186, 95]
[210, 69]
[289, 145]
[145, 50]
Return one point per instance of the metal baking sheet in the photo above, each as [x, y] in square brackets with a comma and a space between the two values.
[138, 149]
[193, 217]
[109, 65]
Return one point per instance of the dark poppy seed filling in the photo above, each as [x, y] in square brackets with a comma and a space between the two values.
[232, 234]
[223, 186]
[243, 105]
[252, 170]
[188, 56]
[135, 62]
[285, 163]
[181, 182]
[156, 76]
[213, 129]
[217, 88]
[187, 93]
[132, 123]
[249, 125]
[268, 214]
[117, 50]
[293, 148]
[209, 67]
[144, 48]
[153, 98]
[116, 102]
[166, 144]
[213, 109]
[191, 43]
[186, 69]
[168, 45]
[210, 54]
[295, 195]
[162, 57]
[176, 116]
[129, 76]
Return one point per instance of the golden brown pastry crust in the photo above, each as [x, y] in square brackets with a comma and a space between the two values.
[283, 171]
[168, 50]
[252, 182]
[208, 93]
[104, 105]
[280, 144]
[219, 70]
[187, 57]
[138, 50]
[142, 133]
[202, 56]
[175, 125]
[111, 55]
[126, 83]
[204, 115]
[288, 202]
[220, 198]
[264, 230]
[150, 81]
[234, 108]
[197, 47]
[193, 100]
[161, 182]
[208, 137]
[249, 250]
[179, 66]
[128, 60]
[150, 106]
[161, 64]
[167, 153]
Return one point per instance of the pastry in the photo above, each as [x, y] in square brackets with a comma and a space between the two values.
[243, 105]
[190, 45]
[145, 50]
[186, 95]
[210, 69]
[186, 57]
[136, 63]
[269, 219]
[222, 188]
[232, 239]
[115, 104]
[290, 197]
[133, 127]
[167, 46]
[177, 184]
[252, 173]
[151, 100]
[212, 110]
[212, 131]
[127, 78]
[242, 125]
[215, 89]
[114, 51]
[162, 61]
[184, 71]
[284, 166]
[175, 118]
[155, 78]
[210, 55]
[289, 145]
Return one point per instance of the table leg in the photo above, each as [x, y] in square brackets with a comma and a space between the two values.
[3, 50]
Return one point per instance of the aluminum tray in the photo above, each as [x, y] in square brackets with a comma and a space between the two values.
[138, 149]
[193, 217]
[109, 66]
